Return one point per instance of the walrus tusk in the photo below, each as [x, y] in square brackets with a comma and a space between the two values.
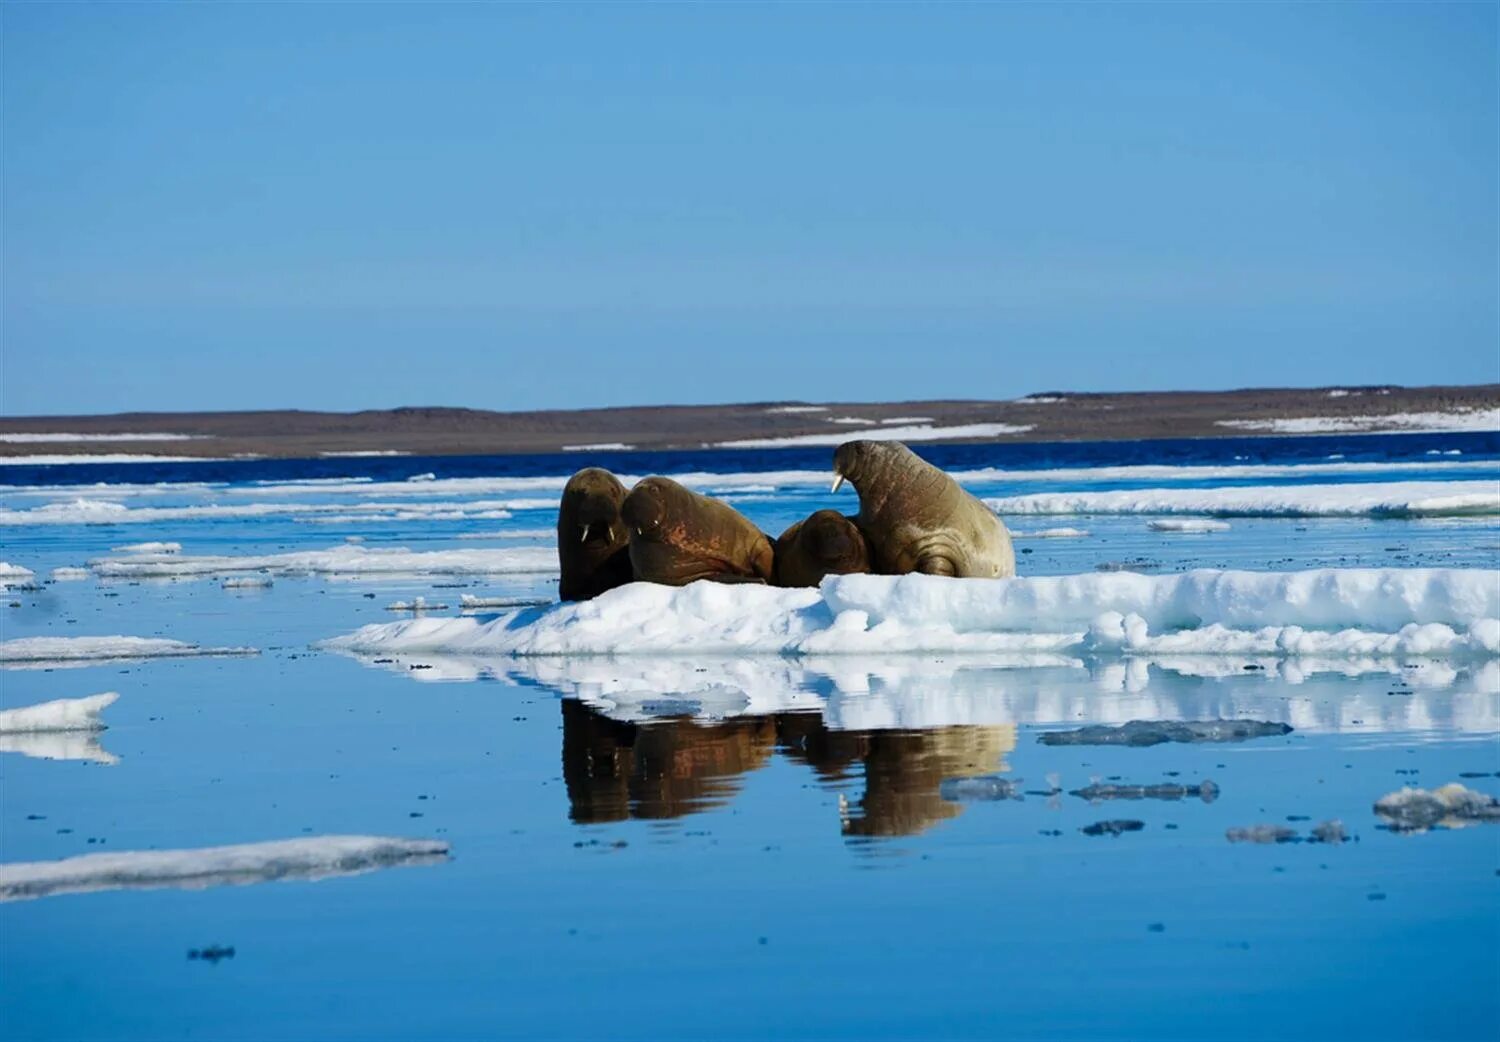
[838, 479]
[585, 537]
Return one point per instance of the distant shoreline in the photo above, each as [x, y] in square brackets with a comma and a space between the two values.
[1058, 416]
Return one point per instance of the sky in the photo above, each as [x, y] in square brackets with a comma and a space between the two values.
[349, 206]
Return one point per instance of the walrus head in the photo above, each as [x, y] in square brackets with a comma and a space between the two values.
[866, 464]
[649, 505]
[590, 509]
[825, 543]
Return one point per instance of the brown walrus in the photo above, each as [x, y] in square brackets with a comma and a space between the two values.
[917, 518]
[593, 544]
[677, 536]
[825, 543]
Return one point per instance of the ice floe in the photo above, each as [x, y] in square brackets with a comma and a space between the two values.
[345, 559]
[1413, 422]
[1450, 806]
[14, 575]
[1321, 612]
[1377, 499]
[1052, 533]
[83, 651]
[68, 573]
[247, 582]
[1193, 525]
[107, 512]
[149, 548]
[63, 714]
[919, 432]
[305, 859]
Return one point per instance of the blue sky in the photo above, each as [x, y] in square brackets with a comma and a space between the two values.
[358, 206]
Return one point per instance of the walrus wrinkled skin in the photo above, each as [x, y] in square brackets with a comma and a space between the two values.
[678, 536]
[825, 543]
[593, 544]
[917, 518]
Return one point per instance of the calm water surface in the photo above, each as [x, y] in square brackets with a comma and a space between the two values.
[744, 848]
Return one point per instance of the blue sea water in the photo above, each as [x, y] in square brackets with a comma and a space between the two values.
[652, 873]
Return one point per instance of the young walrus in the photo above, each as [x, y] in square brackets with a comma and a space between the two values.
[917, 518]
[825, 543]
[678, 536]
[593, 544]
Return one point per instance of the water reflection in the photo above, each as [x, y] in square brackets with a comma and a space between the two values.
[616, 770]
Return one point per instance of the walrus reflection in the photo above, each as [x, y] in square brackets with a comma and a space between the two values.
[593, 544]
[678, 536]
[824, 543]
[904, 772]
[665, 769]
[917, 518]
[616, 771]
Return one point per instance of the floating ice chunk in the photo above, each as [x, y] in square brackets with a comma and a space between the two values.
[247, 582]
[919, 432]
[82, 651]
[1115, 827]
[1262, 834]
[1374, 499]
[1451, 806]
[1155, 732]
[63, 714]
[1329, 832]
[469, 602]
[416, 604]
[1322, 612]
[14, 575]
[1187, 525]
[57, 745]
[70, 574]
[1206, 791]
[339, 560]
[987, 788]
[149, 548]
[311, 858]
[1052, 533]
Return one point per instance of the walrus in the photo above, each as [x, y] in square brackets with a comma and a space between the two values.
[825, 543]
[677, 536]
[917, 518]
[593, 544]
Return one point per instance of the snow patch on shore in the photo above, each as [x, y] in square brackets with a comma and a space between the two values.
[920, 432]
[63, 714]
[310, 858]
[1412, 422]
[1322, 612]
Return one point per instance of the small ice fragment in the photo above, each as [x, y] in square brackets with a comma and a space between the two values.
[987, 787]
[1329, 832]
[1191, 525]
[1156, 732]
[1113, 827]
[246, 582]
[1206, 791]
[1451, 806]
[1262, 834]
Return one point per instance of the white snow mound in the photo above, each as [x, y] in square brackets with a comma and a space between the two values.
[315, 857]
[1324, 612]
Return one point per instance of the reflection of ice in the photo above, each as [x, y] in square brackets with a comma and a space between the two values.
[57, 745]
[315, 857]
[908, 691]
